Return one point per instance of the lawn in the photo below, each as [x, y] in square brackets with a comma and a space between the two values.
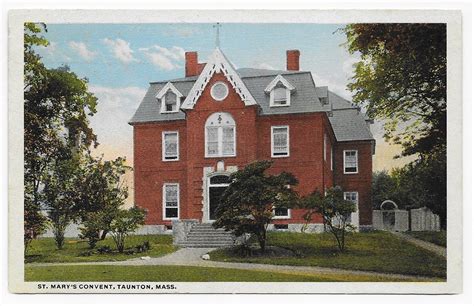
[438, 238]
[375, 251]
[181, 274]
[44, 249]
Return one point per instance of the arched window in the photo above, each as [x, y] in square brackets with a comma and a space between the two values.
[220, 135]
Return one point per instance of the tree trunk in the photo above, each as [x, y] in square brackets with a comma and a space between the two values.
[262, 238]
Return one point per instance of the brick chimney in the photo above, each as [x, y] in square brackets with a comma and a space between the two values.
[293, 60]
[192, 65]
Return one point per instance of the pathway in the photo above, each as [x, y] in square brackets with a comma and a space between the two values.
[192, 257]
[439, 250]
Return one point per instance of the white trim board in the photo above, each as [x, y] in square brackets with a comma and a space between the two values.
[218, 63]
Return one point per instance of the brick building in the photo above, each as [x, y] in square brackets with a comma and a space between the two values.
[191, 133]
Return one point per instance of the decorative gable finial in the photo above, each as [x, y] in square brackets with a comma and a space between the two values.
[218, 42]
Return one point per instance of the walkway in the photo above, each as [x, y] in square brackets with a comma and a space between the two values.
[192, 257]
[439, 250]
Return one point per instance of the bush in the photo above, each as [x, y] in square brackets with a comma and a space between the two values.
[104, 250]
[125, 223]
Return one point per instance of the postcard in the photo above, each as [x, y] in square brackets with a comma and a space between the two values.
[235, 151]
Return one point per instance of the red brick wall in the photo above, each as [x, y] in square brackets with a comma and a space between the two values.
[246, 141]
[305, 160]
[150, 172]
[253, 142]
[360, 182]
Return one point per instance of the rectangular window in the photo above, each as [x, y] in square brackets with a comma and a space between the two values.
[350, 161]
[170, 201]
[170, 102]
[281, 213]
[279, 96]
[170, 146]
[212, 141]
[280, 141]
[352, 196]
[228, 141]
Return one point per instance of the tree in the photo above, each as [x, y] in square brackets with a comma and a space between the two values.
[335, 211]
[248, 202]
[100, 197]
[401, 78]
[125, 223]
[60, 195]
[384, 187]
[56, 106]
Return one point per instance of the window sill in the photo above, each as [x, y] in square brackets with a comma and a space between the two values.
[220, 156]
[172, 112]
[351, 172]
[278, 105]
[170, 160]
[280, 156]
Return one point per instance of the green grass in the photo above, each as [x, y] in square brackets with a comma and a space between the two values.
[375, 251]
[44, 249]
[181, 274]
[438, 238]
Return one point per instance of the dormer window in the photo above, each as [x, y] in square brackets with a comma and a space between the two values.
[280, 92]
[170, 98]
[171, 102]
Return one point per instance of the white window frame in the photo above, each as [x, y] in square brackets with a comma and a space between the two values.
[354, 215]
[288, 216]
[226, 88]
[163, 146]
[325, 152]
[161, 96]
[357, 161]
[332, 158]
[271, 88]
[220, 140]
[164, 201]
[287, 101]
[287, 140]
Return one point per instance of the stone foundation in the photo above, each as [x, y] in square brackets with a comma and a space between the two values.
[181, 229]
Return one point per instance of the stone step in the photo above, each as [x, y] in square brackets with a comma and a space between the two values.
[210, 240]
[210, 233]
[207, 245]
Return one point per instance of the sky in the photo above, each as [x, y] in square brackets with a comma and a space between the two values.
[120, 60]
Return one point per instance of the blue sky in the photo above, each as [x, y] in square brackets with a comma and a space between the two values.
[120, 60]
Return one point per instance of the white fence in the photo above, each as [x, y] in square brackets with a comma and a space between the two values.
[422, 219]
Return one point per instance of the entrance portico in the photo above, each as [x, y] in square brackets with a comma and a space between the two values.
[215, 180]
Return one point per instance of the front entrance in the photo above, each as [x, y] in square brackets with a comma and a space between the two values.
[217, 186]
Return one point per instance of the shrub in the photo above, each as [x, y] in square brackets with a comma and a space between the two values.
[125, 223]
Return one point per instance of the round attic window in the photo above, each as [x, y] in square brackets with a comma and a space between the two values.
[219, 91]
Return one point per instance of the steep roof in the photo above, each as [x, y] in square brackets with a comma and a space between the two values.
[347, 121]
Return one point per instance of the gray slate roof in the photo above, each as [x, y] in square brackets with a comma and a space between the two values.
[347, 122]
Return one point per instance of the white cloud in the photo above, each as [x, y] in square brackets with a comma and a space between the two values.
[116, 106]
[82, 50]
[348, 65]
[121, 50]
[265, 66]
[338, 87]
[52, 50]
[164, 58]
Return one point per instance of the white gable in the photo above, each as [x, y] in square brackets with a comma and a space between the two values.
[277, 80]
[164, 90]
[218, 63]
